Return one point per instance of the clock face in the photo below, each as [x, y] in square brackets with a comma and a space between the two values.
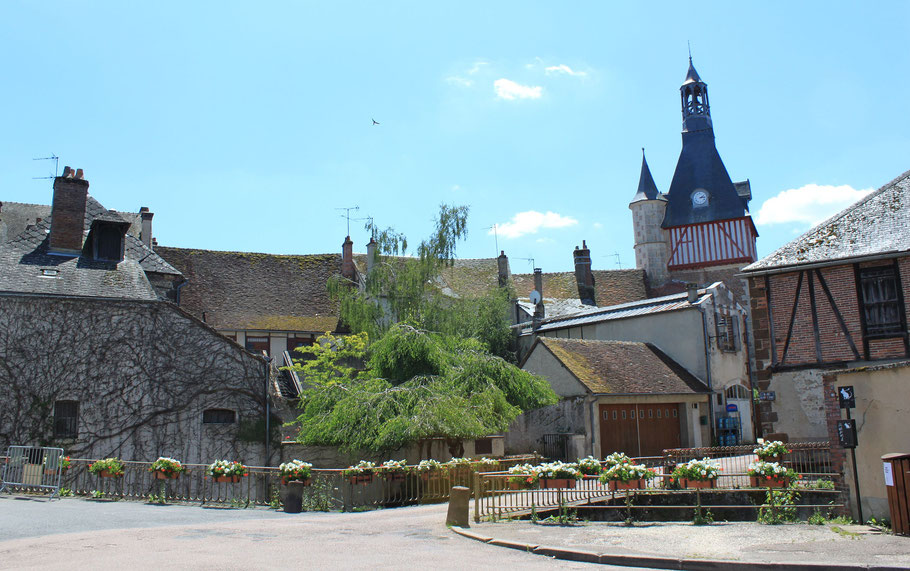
[699, 198]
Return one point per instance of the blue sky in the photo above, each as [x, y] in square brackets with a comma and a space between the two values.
[245, 126]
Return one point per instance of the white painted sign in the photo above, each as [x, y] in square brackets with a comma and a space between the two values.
[889, 476]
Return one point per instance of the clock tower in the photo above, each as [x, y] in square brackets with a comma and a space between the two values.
[705, 226]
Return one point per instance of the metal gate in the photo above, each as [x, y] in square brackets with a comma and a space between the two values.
[33, 467]
[555, 446]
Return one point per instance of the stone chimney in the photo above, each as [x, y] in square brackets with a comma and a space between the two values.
[145, 233]
[68, 212]
[371, 255]
[692, 292]
[347, 258]
[505, 273]
[539, 312]
[583, 275]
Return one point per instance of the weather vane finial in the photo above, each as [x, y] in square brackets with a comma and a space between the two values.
[689, 43]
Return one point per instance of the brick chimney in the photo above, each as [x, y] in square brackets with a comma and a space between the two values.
[502, 262]
[583, 275]
[539, 312]
[347, 258]
[68, 212]
[145, 233]
[371, 255]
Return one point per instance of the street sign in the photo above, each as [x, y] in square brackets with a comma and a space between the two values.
[846, 433]
[846, 397]
[732, 408]
[767, 395]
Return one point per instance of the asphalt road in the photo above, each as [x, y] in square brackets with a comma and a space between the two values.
[79, 534]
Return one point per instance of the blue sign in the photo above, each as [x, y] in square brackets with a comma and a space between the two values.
[732, 408]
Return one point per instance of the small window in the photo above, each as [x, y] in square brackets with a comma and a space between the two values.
[614, 415]
[632, 414]
[607, 415]
[726, 332]
[666, 413]
[219, 416]
[624, 415]
[294, 342]
[651, 413]
[257, 344]
[658, 413]
[66, 413]
[882, 309]
[674, 413]
[483, 446]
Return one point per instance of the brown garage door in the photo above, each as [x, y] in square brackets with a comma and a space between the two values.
[639, 430]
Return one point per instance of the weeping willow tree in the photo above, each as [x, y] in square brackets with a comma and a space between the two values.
[430, 365]
[404, 288]
[415, 385]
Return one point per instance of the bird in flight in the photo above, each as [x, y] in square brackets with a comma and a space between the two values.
[375, 122]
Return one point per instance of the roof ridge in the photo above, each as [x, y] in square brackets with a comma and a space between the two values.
[243, 252]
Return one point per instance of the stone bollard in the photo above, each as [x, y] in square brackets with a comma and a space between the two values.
[459, 499]
[293, 501]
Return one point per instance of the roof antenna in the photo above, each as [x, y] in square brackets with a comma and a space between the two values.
[618, 262]
[347, 215]
[54, 158]
[495, 235]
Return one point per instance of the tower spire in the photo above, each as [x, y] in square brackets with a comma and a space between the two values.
[647, 190]
[696, 111]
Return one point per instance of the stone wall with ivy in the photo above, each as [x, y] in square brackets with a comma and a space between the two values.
[142, 373]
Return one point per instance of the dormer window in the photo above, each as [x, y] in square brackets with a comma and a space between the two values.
[106, 239]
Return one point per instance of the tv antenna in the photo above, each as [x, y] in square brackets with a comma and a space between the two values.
[527, 260]
[618, 262]
[369, 224]
[54, 158]
[495, 236]
[347, 215]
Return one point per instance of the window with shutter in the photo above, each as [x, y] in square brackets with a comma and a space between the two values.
[882, 309]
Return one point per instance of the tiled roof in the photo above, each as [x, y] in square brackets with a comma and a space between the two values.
[470, 277]
[622, 367]
[18, 215]
[611, 286]
[244, 290]
[877, 224]
[27, 267]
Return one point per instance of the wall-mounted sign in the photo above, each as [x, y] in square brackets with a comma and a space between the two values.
[732, 408]
[767, 395]
[846, 433]
[846, 397]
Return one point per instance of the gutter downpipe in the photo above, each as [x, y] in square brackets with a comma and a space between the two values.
[594, 426]
[747, 321]
[704, 327]
[268, 412]
[179, 287]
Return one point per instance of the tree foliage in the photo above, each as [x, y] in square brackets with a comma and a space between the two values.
[414, 385]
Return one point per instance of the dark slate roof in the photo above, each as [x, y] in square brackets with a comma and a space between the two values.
[700, 166]
[692, 75]
[622, 367]
[16, 216]
[647, 189]
[27, 267]
[876, 225]
[611, 287]
[251, 291]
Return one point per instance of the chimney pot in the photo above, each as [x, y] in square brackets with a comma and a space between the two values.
[347, 258]
[79, 174]
[503, 270]
[67, 172]
[583, 276]
[371, 255]
[145, 232]
[692, 292]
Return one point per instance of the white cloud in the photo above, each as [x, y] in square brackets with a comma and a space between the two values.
[460, 81]
[597, 225]
[478, 65]
[808, 205]
[508, 89]
[564, 69]
[530, 222]
[545, 241]
[456, 187]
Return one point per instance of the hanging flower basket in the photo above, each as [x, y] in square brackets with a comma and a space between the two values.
[166, 468]
[107, 468]
[161, 475]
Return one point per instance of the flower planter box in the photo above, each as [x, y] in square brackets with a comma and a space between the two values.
[106, 474]
[700, 484]
[764, 482]
[776, 458]
[394, 477]
[226, 479]
[630, 485]
[159, 475]
[558, 483]
[362, 479]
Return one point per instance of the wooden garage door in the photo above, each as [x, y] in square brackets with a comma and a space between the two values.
[639, 430]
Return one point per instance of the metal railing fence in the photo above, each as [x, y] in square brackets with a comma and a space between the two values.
[33, 467]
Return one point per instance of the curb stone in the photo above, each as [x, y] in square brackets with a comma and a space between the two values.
[662, 562]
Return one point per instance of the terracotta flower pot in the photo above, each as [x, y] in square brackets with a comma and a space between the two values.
[362, 479]
[159, 475]
[558, 483]
[107, 474]
[630, 485]
[766, 482]
[702, 484]
[226, 479]
[776, 458]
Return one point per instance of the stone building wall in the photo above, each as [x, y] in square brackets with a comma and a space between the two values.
[142, 373]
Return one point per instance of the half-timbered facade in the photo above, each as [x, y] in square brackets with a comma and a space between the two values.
[833, 298]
